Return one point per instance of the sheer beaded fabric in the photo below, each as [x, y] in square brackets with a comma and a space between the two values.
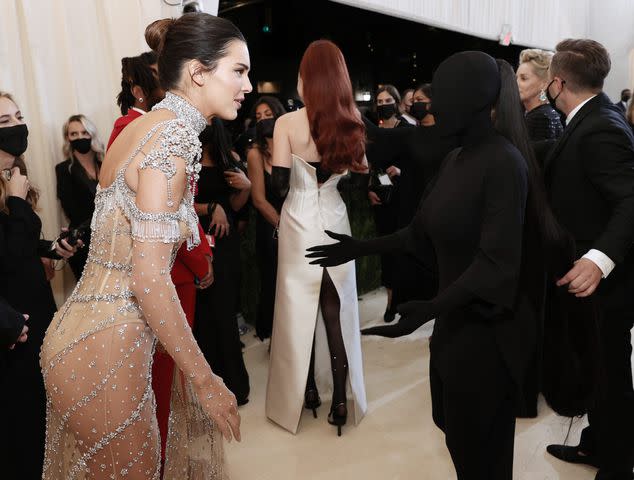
[97, 355]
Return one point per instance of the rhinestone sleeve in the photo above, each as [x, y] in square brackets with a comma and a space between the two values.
[176, 140]
[151, 283]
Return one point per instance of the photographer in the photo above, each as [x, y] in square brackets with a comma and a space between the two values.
[24, 285]
[77, 179]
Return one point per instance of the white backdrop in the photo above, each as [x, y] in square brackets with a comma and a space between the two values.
[534, 23]
[537, 23]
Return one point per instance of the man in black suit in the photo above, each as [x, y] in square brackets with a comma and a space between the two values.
[625, 97]
[590, 181]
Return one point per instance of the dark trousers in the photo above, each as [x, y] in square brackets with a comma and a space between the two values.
[473, 404]
[216, 325]
[385, 220]
[610, 435]
[266, 251]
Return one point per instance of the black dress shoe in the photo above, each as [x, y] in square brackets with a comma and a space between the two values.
[571, 454]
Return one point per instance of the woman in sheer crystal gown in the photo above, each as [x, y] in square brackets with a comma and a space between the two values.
[97, 353]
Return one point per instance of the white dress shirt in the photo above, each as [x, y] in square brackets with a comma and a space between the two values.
[600, 259]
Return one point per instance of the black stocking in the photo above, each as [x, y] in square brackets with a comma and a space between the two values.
[310, 381]
[330, 308]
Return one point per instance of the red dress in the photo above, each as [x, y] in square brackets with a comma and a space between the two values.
[188, 266]
[122, 122]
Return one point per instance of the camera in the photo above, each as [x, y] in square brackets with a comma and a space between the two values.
[73, 235]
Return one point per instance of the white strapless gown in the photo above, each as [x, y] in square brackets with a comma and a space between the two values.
[307, 212]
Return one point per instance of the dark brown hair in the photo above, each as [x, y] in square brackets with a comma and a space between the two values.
[425, 88]
[393, 92]
[136, 71]
[582, 63]
[194, 36]
[278, 110]
[335, 122]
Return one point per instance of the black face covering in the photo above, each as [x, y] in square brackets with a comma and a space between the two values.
[386, 111]
[465, 88]
[553, 100]
[419, 110]
[625, 97]
[81, 145]
[264, 128]
[13, 140]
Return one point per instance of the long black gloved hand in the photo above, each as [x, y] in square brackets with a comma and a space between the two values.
[417, 313]
[413, 315]
[348, 248]
[330, 255]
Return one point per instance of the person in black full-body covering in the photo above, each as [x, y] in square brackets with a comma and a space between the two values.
[469, 228]
[419, 152]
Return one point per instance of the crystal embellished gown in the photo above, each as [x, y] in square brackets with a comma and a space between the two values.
[97, 354]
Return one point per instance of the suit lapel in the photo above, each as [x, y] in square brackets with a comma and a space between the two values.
[576, 120]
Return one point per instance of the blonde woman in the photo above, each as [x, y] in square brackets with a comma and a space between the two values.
[77, 180]
[23, 284]
[542, 120]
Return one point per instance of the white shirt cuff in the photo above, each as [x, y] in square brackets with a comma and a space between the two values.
[601, 260]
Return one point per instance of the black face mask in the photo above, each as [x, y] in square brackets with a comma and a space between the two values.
[81, 145]
[264, 128]
[419, 110]
[465, 87]
[552, 100]
[386, 111]
[13, 140]
[625, 98]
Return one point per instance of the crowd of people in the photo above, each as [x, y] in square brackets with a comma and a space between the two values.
[504, 208]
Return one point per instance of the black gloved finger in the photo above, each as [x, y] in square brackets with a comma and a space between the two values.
[404, 326]
[316, 253]
[337, 236]
[389, 331]
[319, 261]
[317, 248]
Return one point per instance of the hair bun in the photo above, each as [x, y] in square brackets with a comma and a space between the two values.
[156, 32]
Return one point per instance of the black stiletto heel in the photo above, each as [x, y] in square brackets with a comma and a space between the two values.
[338, 416]
[312, 400]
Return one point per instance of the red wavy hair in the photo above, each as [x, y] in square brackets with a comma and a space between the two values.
[335, 122]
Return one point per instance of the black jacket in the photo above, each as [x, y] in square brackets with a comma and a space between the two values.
[590, 182]
[76, 192]
[11, 324]
[543, 123]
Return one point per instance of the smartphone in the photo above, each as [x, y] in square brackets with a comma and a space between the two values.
[211, 239]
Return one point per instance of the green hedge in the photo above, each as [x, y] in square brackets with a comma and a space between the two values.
[362, 224]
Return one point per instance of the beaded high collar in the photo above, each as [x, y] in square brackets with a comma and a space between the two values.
[183, 110]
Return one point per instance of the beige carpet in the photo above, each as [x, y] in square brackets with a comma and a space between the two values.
[397, 440]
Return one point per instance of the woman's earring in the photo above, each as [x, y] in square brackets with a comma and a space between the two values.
[140, 99]
[542, 95]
